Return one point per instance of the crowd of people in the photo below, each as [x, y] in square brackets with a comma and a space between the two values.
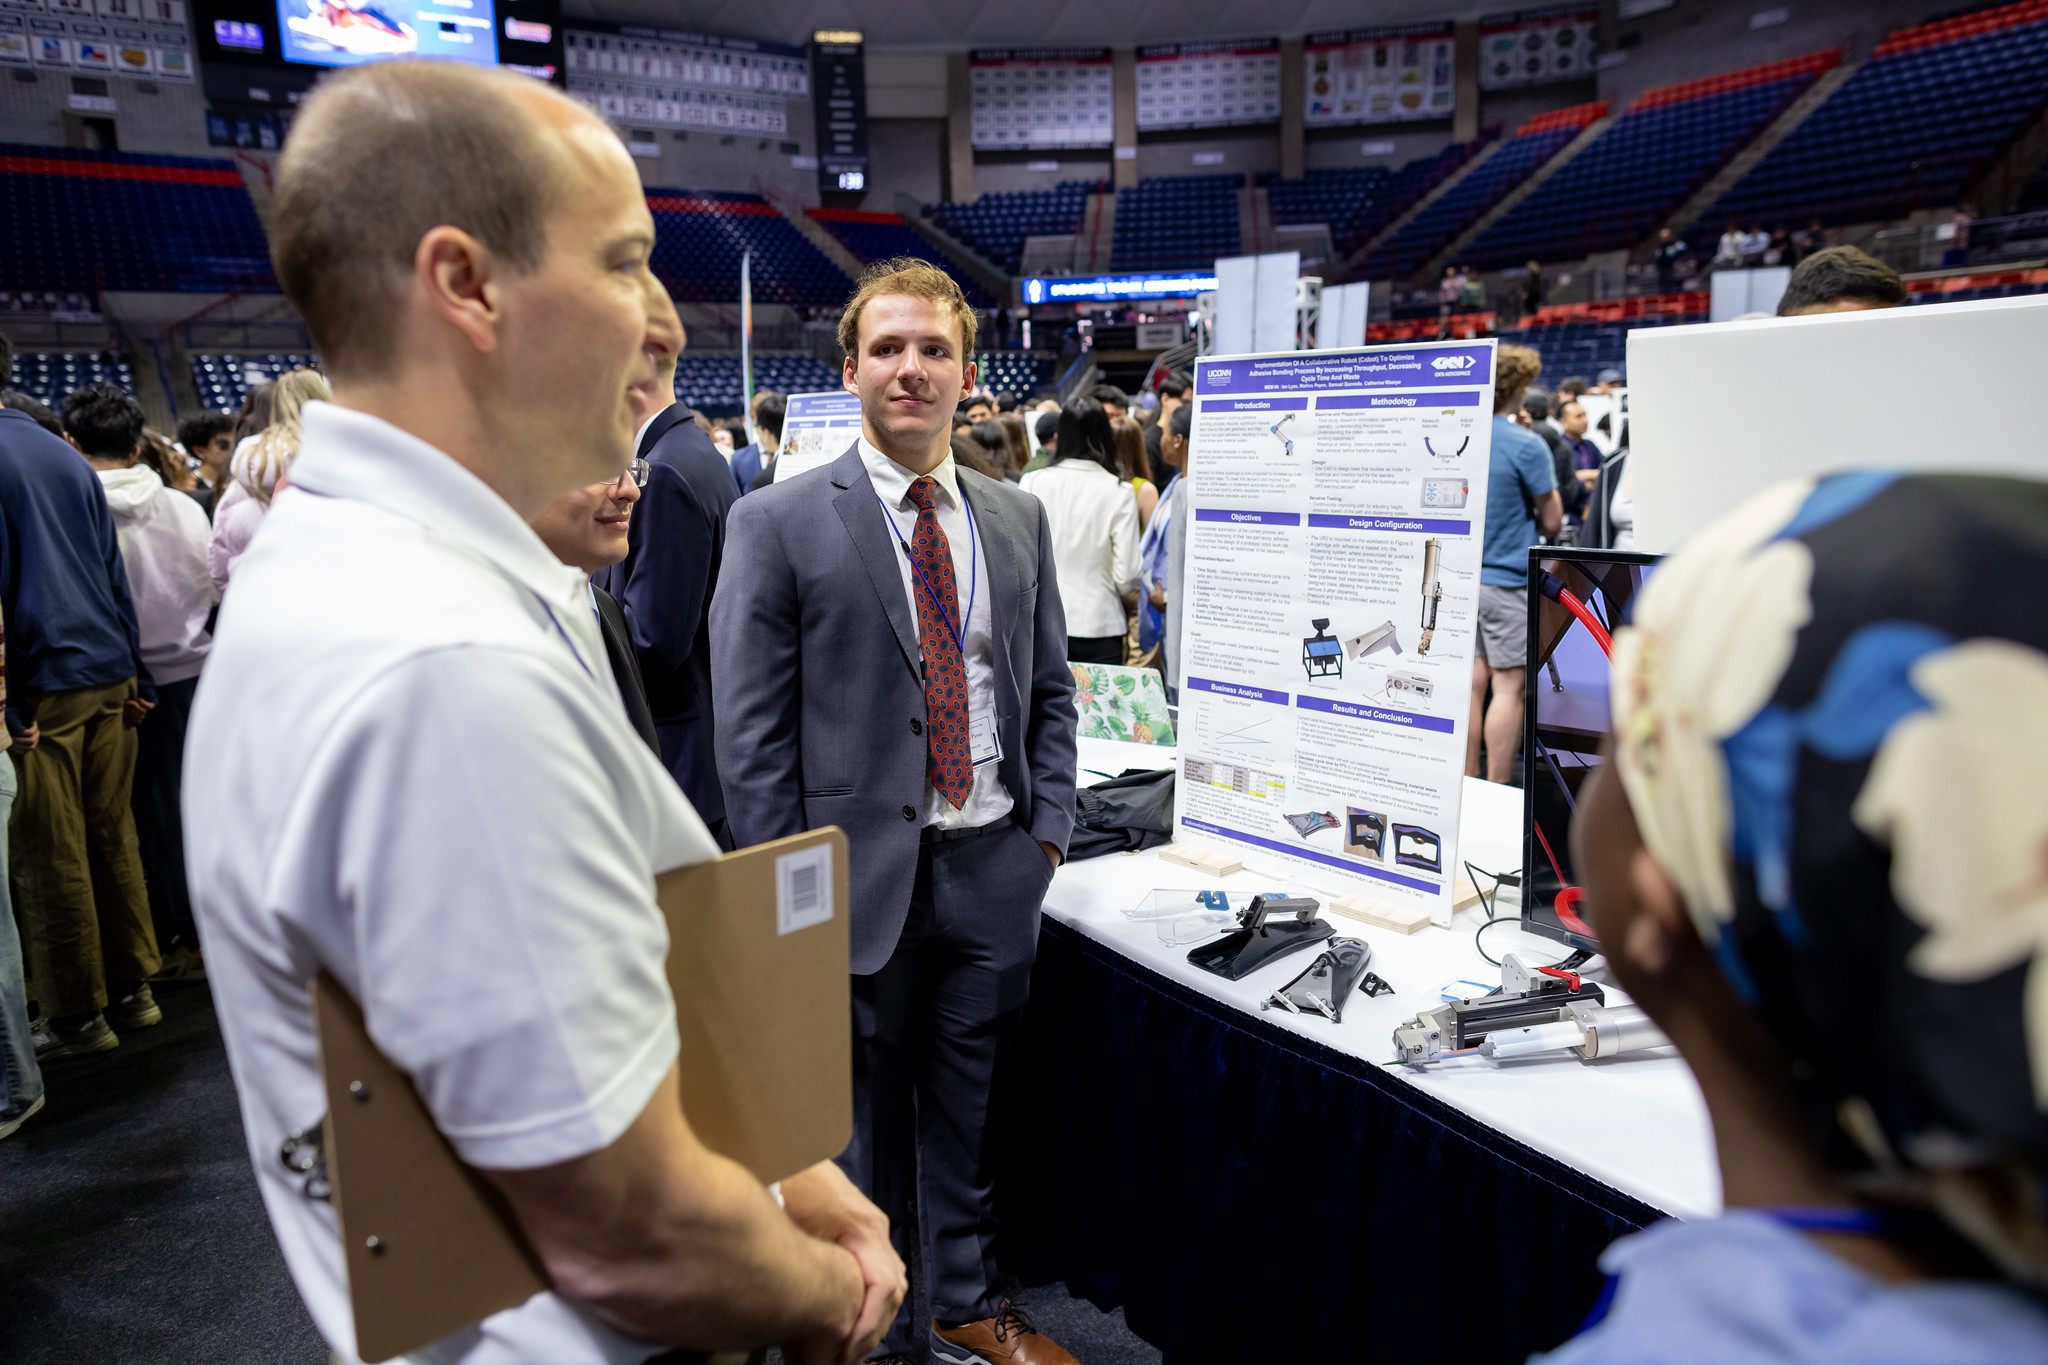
[494, 631]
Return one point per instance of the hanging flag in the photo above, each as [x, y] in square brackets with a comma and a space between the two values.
[747, 345]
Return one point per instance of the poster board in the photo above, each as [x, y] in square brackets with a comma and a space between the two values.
[1827, 392]
[1342, 318]
[1346, 488]
[758, 966]
[816, 430]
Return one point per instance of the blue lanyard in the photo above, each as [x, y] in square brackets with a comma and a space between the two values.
[959, 634]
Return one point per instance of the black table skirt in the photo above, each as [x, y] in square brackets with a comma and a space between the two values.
[1249, 1196]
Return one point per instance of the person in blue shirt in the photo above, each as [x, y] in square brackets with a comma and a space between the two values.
[1521, 502]
[76, 681]
[1813, 854]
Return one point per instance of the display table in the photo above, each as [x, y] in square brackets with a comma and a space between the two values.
[1258, 1186]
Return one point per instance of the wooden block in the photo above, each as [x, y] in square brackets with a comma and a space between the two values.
[1400, 919]
[1201, 859]
[1463, 894]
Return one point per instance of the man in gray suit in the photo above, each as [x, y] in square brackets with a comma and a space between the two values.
[889, 656]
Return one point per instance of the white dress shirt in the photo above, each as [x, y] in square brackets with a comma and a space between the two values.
[1093, 516]
[989, 799]
[409, 766]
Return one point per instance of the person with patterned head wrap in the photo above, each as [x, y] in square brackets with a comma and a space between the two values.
[1818, 857]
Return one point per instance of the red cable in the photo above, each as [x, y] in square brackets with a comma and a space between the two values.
[1588, 620]
[1569, 896]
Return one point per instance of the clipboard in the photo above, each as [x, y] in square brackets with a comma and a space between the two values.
[759, 969]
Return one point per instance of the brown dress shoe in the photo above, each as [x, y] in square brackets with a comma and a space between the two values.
[1008, 1338]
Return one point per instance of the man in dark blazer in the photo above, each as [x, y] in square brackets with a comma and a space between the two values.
[675, 544]
[589, 529]
[889, 656]
[757, 458]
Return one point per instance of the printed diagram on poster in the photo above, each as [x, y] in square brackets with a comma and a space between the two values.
[816, 430]
[1333, 575]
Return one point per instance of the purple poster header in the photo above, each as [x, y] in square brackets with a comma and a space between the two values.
[1244, 690]
[1315, 371]
[1429, 526]
[1261, 518]
[1452, 398]
[1359, 711]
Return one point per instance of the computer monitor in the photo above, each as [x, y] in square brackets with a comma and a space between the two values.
[1577, 598]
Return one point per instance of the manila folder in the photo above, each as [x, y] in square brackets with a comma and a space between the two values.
[758, 965]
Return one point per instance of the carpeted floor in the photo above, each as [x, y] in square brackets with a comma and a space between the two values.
[131, 1231]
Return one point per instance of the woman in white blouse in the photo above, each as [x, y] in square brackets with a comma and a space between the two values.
[1094, 519]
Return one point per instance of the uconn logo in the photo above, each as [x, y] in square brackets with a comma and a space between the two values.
[1453, 362]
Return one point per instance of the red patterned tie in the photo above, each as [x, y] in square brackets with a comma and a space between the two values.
[947, 761]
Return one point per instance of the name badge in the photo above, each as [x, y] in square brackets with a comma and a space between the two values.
[984, 746]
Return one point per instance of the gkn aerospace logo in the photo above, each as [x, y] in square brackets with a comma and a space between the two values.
[1444, 364]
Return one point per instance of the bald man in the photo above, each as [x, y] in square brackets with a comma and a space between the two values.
[410, 769]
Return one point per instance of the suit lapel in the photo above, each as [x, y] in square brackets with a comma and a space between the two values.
[658, 428]
[861, 510]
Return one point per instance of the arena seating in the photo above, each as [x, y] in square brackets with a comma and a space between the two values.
[1330, 195]
[1165, 222]
[1403, 189]
[878, 236]
[701, 234]
[48, 376]
[2033, 194]
[1932, 107]
[997, 224]
[1430, 231]
[1020, 372]
[1630, 180]
[710, 380]
[87, 221]
[224, 380]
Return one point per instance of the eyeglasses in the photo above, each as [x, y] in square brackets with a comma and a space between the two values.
[636, 473]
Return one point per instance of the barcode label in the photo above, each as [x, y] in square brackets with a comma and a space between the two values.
[803, 889]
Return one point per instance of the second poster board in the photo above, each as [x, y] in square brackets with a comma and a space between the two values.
[816, 430]
[1339, 503]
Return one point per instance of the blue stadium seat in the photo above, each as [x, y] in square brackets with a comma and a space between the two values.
[1908, 131]
[878, 236]
[997, 224]
[1630, 180]
[1168, 222]
[47, 376]
[88, 221]
[700, 236]
[1431, 230]
[224, 379]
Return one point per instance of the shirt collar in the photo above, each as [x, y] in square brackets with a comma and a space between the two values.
[892, 481]
[352, 455]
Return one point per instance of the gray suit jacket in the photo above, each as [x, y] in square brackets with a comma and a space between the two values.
[815, 679]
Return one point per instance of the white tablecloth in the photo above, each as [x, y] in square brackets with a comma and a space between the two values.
[1636, 1122]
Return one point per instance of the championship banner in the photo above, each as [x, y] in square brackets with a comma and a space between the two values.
[1535, 46]
[1379, 75]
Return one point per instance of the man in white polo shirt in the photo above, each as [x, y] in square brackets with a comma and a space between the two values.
[409, 766]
